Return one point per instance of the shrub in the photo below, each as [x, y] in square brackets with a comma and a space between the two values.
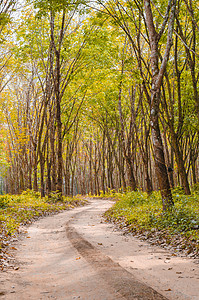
[55, 197]
[140, 213]
[3, 202]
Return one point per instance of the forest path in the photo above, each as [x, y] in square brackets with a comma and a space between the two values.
[74, 255]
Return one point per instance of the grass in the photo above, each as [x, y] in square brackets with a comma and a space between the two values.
[142, 215]
[18, 210]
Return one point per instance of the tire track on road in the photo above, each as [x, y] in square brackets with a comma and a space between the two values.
[117, 277]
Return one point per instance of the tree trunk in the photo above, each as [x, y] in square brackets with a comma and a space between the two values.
[42, 175]
[157, 77]
[180, 164]
[59, 125]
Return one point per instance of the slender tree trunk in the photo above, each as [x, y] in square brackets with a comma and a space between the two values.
[59, 125]
[103, 163]
[35, 185]
[90, 166]
[42, 162]
[53, 157]
[157, 77]
[180, 164]
[48, 171]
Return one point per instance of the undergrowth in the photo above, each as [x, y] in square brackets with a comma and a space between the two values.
[17, 210]
[142, 215]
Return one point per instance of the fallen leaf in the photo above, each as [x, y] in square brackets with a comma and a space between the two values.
[13, 248]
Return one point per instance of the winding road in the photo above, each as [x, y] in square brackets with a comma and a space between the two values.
[75, 255]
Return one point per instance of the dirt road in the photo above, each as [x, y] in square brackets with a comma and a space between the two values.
[74, 255]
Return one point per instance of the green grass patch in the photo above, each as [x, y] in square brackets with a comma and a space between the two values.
[142, 214]
[17, 210]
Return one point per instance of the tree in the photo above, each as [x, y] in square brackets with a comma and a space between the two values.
[119, 13]
[103, 101]
[157, 78]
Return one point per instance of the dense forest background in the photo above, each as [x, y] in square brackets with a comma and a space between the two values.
[98, 96]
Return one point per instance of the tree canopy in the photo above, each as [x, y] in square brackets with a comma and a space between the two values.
[99, 96]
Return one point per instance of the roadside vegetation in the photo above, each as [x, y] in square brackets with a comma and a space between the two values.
[19, 210]
[142, 215]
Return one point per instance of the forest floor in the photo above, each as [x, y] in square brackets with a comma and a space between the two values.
[76, 255]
